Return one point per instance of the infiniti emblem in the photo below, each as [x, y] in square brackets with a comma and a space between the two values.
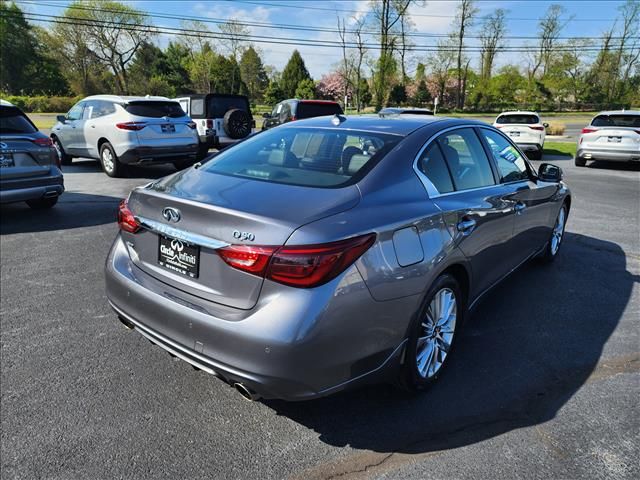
[177, 245]
[171, 214]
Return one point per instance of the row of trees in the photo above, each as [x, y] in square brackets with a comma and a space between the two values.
[106, 46]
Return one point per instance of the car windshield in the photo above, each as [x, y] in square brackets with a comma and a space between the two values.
[616, 121]
[313, 109]
[220, 104]
[12, 120]
[518, 118]
[155, 109]
[305, 156]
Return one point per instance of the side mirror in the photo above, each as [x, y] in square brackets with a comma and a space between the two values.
[266, 115]
[548, 172]
[545, 125]
[61, 118]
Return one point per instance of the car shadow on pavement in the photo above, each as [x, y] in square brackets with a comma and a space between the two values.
[152, 172]
[96, 210]
[624, 166]
[530, 345]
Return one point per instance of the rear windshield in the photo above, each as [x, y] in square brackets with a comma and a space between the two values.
[308, 110]
[518, 118]
[155, 109]
[218, 106]
[12, 120]
[616, 121]
[304, 156]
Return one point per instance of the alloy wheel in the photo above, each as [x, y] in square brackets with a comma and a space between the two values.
[436, 334]
[558, 231]
[107, 160]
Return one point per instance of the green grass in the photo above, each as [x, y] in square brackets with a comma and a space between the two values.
[560, 148]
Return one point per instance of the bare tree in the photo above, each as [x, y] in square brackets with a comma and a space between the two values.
[463, 21]
[406, 26]
[440, 64]
[386, 14]
[235, 37]
[628, 53]
[361, 49]
[107, 26]
[491, 37]
[347, 64]
[549, 29]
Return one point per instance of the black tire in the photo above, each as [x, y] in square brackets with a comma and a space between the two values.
[65, 159]
[237, 123]
[203, 151]
[42, 203]
[410, 377]
[112, 168]
[537, 155]
[551, 250]
[579, 161]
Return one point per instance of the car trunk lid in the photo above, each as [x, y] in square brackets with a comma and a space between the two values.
[21, 156]
[217, 210]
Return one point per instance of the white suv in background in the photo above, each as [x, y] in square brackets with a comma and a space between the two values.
[611, 136]
[525, 129]
[122, 131]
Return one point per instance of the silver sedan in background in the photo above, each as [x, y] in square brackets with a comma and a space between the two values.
[611, 136]
[331, 252]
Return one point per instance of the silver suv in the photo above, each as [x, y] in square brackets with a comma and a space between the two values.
[122, 131]
[611, 136]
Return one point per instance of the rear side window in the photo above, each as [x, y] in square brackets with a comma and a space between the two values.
[518, 118]
[468, 164]
[616, 121]
[197, 107]
[434, 166]
[12, 120]
[155, 109]
[219, 105]
[311, 109]
[304, 156]
[511, 166]
[98, 108]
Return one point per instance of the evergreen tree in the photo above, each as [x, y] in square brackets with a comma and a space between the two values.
[422, 95]
[306, 89]
[273, 94]
[398, 95]
[293, 74]
[177, 59]
[253, 74]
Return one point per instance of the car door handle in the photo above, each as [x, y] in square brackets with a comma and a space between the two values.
[92, 125]
[466, 226]
[519, 207]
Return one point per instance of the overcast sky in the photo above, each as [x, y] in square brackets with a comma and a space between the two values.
[585, 18]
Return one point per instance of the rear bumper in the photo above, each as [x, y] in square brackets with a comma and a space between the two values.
[294, 344]
[608, 155]
[22, 189]
[159, 154]
[529, 147]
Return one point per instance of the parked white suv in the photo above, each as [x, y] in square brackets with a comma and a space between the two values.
[525, 129]
[611, 136]
[122, 131]
[221, 119]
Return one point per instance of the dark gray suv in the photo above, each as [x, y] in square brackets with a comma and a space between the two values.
[29, 164]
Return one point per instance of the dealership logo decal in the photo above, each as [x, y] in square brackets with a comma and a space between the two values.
[3, 145]
[171, 214]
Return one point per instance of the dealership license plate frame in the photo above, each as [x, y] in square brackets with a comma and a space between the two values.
[168, 128]
[614, 139]
[7, 160]
[175, 264]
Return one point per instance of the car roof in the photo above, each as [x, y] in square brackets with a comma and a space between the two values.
[127, 98]
[395, 125]
[519, 112]
[303, 100]
[620, 112]
[413, 110]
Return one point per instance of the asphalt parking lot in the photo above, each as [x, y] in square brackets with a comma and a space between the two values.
[545, 382]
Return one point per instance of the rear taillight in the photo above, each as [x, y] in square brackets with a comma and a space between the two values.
[192, 125]
[293, 118]
[43, 142]
[589, 130]
[131, 126]
[247, 257]
[209, 123]
[537, 127]
[298, 266]
[126, 220]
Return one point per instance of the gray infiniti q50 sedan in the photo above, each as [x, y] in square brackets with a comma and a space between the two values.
[331, 252]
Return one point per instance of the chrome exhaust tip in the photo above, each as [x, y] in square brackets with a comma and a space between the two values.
[246, 392]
